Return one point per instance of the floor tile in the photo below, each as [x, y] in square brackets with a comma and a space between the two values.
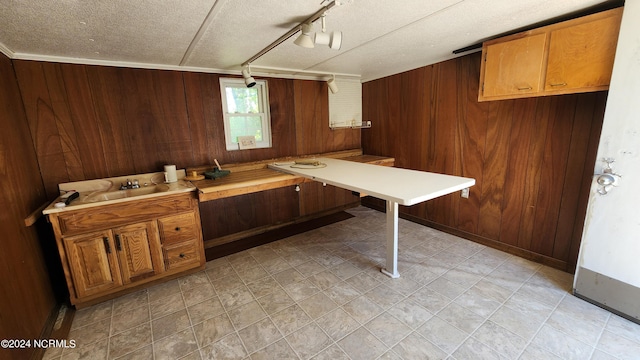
[308, 341]
[290, 319]
[247, 314]
[619, 346]
[388, 329]
[561, 344]
[362, 345]
[444, 335]
[337, 324]
[213, 329]
[258, 335]
[170, 324]
[129, 340]
[205, 310]
[175, 345]
[228, 348]
[279, 350]
[317, 305]
[416, 347]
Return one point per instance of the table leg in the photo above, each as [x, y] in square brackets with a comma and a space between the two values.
[391, 268]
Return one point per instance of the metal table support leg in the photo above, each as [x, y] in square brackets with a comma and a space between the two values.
[391, 268]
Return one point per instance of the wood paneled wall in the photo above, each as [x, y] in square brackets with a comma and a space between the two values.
[91, 122]
[27, 299]
[532, 158]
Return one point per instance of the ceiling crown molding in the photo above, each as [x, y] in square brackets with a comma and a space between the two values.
[5, 50]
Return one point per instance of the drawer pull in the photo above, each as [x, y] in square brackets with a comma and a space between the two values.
[559, 84]
[177, 228]
[182, 255]
[106, 244]
[525, 88]
[118, 245]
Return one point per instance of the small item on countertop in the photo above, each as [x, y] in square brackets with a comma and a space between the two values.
[59, 205]
[216, 173]
[69, 197]
[217, 164]
[194, 176]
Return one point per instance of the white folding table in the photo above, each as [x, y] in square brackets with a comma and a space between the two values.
[395, 185]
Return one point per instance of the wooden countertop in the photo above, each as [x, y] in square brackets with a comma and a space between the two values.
[247, 178]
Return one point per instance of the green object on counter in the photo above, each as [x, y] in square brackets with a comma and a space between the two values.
[216, 173]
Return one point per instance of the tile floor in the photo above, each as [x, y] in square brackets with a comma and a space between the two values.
[320, 295]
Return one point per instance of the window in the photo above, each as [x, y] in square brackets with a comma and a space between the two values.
[246, 113]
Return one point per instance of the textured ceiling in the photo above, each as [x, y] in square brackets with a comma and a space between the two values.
[380, 37]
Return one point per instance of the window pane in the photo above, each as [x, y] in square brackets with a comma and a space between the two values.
[245, 126]
[242, 100]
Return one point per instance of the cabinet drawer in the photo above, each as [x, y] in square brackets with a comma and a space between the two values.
[182, 255]
[178, 228]
[108, 216]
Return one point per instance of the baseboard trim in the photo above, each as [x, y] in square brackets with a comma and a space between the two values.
[57, 326]
[529, 255]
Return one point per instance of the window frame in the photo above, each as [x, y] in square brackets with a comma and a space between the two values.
[263, 107]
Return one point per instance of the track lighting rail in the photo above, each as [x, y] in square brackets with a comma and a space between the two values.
[317, 15]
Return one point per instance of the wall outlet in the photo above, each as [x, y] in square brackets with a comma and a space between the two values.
[247, 142]
[464, 193]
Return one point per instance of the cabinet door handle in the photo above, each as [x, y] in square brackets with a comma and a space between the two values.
[118, 245]
[106, 244]
[182, 255]
[525, 88]
[177, 228]
[559, 84]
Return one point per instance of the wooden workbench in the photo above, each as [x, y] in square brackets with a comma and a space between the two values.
[246, 178]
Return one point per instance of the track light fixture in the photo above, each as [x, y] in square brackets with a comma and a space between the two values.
[308, 38]
[305, 27]
[333, 86]
[333, 39]
[304, 39]
[248, 79]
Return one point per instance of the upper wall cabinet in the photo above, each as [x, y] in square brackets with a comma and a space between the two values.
[568, 57]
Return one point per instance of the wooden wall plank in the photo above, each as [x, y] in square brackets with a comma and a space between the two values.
[471, 139]
[532, 177]
[109, 96]
[552, 175]
[578, 146]
[518, 161]
[42, 123]
[83, 114]
[64, 122]
[495, 169]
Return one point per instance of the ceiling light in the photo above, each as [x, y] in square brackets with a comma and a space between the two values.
[304, 39]
[248, 79]
[333, 39]
[333, 86]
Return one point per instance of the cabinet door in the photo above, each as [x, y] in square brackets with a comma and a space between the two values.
[93, 263]
[514, 67]
[138, 249]
[581, 56]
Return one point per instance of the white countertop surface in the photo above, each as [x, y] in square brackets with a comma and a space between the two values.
[404, 186]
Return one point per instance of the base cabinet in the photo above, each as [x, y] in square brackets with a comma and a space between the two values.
[120, 253]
